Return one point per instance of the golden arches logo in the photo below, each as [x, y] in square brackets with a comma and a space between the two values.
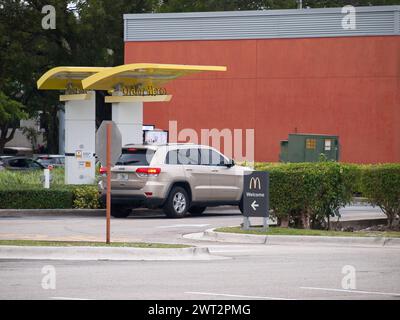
[255, 183]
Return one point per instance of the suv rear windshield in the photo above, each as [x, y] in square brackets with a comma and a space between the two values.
[135, 157]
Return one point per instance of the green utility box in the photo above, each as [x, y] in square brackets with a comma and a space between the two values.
[308, 148]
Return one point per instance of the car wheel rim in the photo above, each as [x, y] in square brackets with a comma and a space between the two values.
[179, 202]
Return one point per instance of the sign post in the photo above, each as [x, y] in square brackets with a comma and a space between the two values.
[255, 198]
[108, 154]
[108, 200]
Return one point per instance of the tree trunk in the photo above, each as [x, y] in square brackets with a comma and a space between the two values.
[305, 220]
[390, 220]
[3, 133]
[3, 137]
[284, 222]
[52, 131]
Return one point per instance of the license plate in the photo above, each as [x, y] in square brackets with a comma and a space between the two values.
[122, 176]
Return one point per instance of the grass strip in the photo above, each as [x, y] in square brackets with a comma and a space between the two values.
[306, 232]
[45, 243]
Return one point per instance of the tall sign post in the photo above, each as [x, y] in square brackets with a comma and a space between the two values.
[108, 150]
[255, 198]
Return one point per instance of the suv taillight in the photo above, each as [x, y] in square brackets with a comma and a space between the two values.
[144, 172]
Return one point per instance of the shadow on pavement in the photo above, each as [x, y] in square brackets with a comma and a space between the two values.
[158, 214]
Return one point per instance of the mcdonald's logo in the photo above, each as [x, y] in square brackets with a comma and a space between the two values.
[255, 183]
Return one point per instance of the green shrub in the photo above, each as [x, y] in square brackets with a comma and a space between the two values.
[36, 198]
[381, 185]
[308, 194]
[86, 197]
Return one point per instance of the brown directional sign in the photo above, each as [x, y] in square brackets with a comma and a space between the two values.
[101, 143]
[256, 194]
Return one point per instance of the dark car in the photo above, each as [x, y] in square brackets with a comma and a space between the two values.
[51, 160]
[20, 163]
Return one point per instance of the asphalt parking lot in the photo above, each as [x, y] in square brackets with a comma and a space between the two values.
[249, 271]
[142, 225]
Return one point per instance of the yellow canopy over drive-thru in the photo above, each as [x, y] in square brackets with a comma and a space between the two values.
[142, 74]
[136, 75]
[60, 78]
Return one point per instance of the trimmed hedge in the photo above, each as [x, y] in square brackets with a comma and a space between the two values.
[381, 185]
[67, 197]
[309, 194]
[35, 198]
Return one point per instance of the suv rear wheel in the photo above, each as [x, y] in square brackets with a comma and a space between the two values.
[197, 211]
[118, 211]
[177, 203]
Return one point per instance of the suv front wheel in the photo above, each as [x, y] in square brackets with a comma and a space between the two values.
[177, 203]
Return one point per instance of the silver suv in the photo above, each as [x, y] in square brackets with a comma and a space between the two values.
[179, 178]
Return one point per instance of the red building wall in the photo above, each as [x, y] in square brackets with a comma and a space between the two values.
[348, 86]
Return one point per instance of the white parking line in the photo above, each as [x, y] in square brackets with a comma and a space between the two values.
[184, 226]
[68, 298]
[353, 291]
[235, 295]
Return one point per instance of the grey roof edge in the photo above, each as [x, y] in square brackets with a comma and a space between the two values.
[241, 13]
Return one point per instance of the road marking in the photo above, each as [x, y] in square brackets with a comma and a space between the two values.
[352, 291]
[68, 298]
[235, 295]
[184, 226]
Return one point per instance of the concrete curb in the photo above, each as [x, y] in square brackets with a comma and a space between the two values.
[212, 235]
[10, 213]
[103, 253]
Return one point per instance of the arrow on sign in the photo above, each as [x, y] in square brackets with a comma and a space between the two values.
[254, 205]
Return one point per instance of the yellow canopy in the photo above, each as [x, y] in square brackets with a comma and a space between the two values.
[141, 74]
[59, 78]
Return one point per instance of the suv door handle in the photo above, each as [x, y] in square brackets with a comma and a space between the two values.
[189, 169]
[216, 170]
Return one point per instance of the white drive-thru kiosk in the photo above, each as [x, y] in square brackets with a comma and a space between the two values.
[80, 130]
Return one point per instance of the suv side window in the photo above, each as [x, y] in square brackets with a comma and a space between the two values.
[183, 157]
[211, 158]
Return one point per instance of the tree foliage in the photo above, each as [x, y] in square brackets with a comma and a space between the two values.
[89, 33]
[11, 112]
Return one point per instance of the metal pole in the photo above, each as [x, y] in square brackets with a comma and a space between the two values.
[265, 224]
[46, 182]
[246, 223]
[108, 200]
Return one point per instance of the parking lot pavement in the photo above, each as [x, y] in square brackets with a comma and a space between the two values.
[252, 272]
[142, 225]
